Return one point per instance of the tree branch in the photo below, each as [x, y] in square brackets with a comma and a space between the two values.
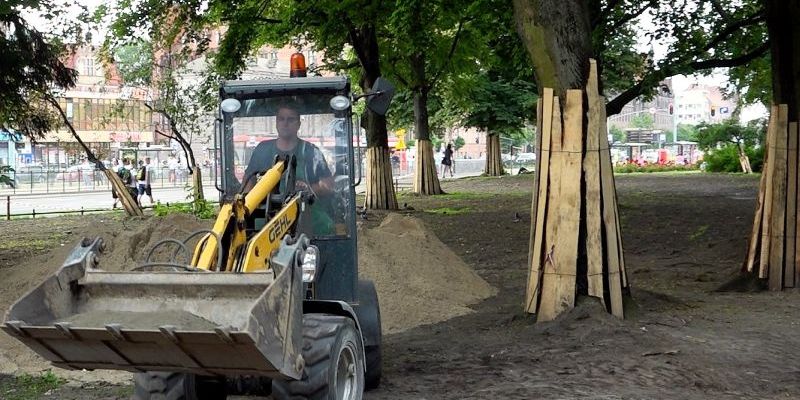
[627, 18]
[719, 9]
[733, 27]
[453, 47]
[731, 62]
[615, 106]
[92, 158]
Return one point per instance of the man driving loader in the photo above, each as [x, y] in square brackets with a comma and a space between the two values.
[312, 170]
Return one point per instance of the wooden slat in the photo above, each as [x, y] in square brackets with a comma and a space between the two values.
[766, 217]
[613, 244]
[549, 287]
[778, 223]
[591, 169]
[791, 209]
[542, 175]
[535, 195]
[755, 235]
[565, 245]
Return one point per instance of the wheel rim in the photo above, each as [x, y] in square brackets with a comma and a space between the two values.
[347, 374]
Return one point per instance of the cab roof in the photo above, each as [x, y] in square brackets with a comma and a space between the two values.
[274, 87]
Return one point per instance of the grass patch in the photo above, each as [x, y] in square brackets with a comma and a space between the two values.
[698, 233]
[29, 387]
[35, 244]
[449, 210]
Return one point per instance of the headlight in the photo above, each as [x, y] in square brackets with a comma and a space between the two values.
[231, 105]
[310, 260]
[340, 103]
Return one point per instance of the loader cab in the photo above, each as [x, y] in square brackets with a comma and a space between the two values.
[310, 118]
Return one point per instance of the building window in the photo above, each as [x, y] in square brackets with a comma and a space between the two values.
[88, 66]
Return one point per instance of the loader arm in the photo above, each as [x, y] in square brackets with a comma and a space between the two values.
[240, 253]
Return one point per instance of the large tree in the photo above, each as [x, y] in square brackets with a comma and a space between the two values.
[333, 28]
[561, 37]
[34, 76]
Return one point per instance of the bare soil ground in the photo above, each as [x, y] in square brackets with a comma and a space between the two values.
[684, 236]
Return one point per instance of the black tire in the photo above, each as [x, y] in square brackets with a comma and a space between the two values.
[177, 386]
[369, 317]
[372, 377]
[331, 346]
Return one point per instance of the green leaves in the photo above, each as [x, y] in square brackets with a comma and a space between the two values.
[31, 68]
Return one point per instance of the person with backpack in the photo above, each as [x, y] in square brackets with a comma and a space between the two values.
[142, 182]
[124, 174]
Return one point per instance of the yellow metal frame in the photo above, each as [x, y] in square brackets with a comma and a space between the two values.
[247, 255]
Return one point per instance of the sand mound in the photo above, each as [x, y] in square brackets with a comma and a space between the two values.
[418, 278]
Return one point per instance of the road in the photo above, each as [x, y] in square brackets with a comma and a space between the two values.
[101, 200]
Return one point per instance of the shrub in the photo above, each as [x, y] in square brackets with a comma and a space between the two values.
[726, 159]
[200, 208]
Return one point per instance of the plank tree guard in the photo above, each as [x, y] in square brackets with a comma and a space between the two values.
[380, 188]
[494, 161]
[426, 179]
[772, 251]
[574, 193]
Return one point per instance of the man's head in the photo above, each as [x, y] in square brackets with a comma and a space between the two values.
[147, 160]
[287, 120]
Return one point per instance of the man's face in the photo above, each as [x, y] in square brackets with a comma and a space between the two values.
[288, 122]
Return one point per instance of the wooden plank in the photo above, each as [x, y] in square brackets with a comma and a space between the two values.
[591, 169]
[778, 223]
[564, 260]
[755, 234]
[535, 257]
[791, 209]
[766, 217]
[551, 226]
[535, 195]
[611, 228]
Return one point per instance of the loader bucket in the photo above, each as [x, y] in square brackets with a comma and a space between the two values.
[207, 323]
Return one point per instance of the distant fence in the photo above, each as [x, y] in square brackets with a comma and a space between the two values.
[81, 180]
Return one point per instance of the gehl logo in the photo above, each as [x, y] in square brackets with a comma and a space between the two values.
[279, 228]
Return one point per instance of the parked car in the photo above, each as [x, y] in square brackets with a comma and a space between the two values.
[87, 172]
[28, 174]
[526, 158]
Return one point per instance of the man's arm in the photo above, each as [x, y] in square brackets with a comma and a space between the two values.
[321, 180]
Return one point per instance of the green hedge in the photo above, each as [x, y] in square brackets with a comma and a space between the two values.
[726, 159]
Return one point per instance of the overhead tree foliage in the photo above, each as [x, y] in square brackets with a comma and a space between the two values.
[31, 69]
[173, 88]
[426, 41]
[701, 35]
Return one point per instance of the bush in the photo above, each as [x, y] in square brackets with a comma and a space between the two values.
[726, 159]
[629, 168]
[200, 208]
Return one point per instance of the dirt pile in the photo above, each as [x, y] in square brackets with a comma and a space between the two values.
[418, 278]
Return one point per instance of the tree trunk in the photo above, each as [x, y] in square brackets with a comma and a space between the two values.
[426, 179]
[744, 160]
[772, 252]
[784, 38]
[129, 203]
[576, 246]
[558, 37]
[380, 193]
[197, 182]
[494, 159]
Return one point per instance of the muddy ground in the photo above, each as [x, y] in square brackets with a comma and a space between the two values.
[684, 236]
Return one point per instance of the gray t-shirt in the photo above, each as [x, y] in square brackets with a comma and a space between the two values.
[311, 165]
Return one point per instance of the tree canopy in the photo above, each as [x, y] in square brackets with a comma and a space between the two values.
[31, 69]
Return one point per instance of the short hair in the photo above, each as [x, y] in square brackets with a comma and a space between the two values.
[293, 104]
